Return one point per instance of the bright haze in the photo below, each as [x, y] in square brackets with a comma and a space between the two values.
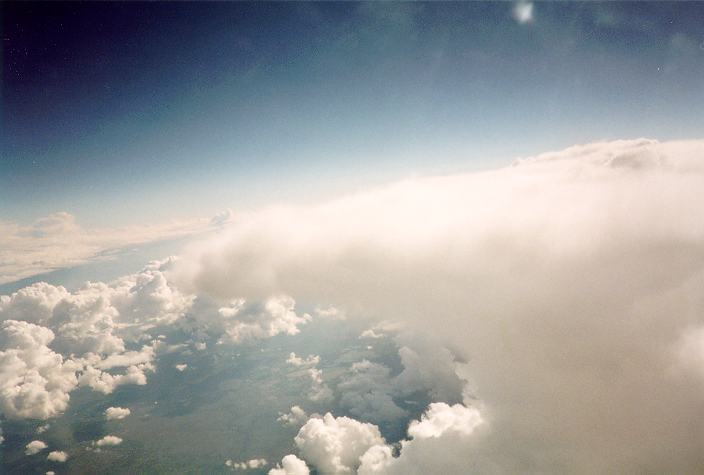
[352, 238]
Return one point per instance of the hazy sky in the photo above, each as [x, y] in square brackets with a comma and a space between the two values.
[133, 113]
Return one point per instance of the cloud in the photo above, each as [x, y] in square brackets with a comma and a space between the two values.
[290, 465]
[368, 393]
[335, 444]
[569, 282]
[250, 464]
[523, 12]
[260, 320]
[79, 338]
[311, 360]
[432, 447]
[35, 382]
[34, 447]
[297, 416]
[112, 413]
[57, 241]
[57, 456]
[108, 440]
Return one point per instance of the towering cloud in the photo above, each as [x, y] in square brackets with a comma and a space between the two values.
[571, 282]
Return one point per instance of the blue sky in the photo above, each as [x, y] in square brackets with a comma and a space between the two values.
[133, 113]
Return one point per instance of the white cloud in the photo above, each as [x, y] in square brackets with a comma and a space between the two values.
[34, 447]
[566, 281]
[57, 456]
[261, 320]
[108, 440]
[57, 241]
[311, 360]
[290, 465]
[297, 416]
[334, 445]
[112, 413]
[435, 439]
[319, 391]
[249, 464]
[35, 382]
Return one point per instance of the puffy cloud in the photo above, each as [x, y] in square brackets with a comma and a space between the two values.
[108, 440]
[442, 430]
[319, 391]
[57, 456]
[334, 445]
[35, 382]
[112, 413]
[290, 465]
[261, 320]
[106, 383]
[57, 241]
[34, 447]
[311, 360]
[569, 282]
[249, 464]
[297, 416]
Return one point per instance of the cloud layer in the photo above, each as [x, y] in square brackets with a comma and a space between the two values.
[571, 282]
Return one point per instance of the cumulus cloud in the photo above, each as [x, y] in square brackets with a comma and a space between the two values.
[57, 241]
[108, 440]
[296, 416]
[311, 360]
[290, 465]
[112, 413]
[334, 445]
[57, 456]
[52, 340]
[35, 382]
[249, 464]
[570, 282]
[432, 448]
[34, 447]
[242, 322]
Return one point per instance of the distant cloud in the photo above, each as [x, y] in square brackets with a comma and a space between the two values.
[294, 360]
[112, 413]
[523, 12]
[296, 416]
[108, 440]
[57, 241]
[34, 447]
[57, 456]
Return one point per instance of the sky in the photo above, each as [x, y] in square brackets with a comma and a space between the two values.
[128, 113]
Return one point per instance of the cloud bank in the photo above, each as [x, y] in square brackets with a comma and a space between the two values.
[570, 282]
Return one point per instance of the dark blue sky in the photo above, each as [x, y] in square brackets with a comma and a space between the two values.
[134, 112]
